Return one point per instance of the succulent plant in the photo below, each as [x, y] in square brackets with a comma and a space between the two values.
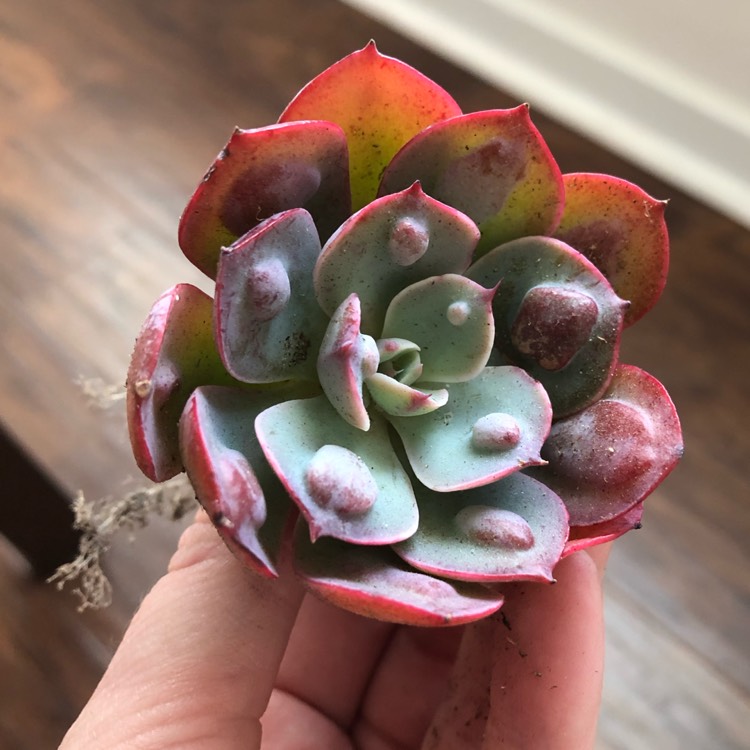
[408, 377]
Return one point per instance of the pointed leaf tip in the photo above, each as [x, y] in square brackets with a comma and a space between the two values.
[583, 537]
[230, 475]
[380, 103]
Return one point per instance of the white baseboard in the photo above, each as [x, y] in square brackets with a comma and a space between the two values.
[642, 108]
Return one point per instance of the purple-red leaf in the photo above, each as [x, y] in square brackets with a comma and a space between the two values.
[380, 103]
[583, 537]
[374, 582]
[174, 353]
[621, 230]
[613, 454]
[493, 166]
[263, 172]
[230, 475]
[268, 324]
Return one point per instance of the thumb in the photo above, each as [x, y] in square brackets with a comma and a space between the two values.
[200, 658]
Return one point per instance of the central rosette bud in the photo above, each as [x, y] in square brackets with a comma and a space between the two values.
[436, 331]
[400, 360]
[390, 387]
[389, 321]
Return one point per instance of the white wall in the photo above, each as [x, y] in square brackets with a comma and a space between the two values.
[664, 82]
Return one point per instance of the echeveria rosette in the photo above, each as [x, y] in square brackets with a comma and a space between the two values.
[408, 378]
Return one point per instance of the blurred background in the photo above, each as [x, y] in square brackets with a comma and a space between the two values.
[110, 112]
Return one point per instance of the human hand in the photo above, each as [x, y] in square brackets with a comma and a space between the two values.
[215, 653]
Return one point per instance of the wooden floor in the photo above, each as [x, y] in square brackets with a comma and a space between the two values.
[110, 110]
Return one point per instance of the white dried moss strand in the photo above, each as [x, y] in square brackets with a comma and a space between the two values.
[99, 520]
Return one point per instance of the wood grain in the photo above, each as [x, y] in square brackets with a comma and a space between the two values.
[110, 112]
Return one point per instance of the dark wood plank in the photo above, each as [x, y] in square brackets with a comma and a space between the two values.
[32, 493]
[110, 113]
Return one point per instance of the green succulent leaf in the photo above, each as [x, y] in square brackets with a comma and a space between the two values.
[346, 358]
[621, 229]
[380, 103]
[373, 582]
[493, 166]
[393, 348]
[514, 529]
[556, 316]
[606, 459]
[174, 353]
[260, 173]
[493, 425]
[450, 317]
[400, 360]
[388, 245]
[230, 475]
[348, 483]
[401, 400]
[268, 324]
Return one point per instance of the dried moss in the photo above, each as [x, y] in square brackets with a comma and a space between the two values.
[100, 520]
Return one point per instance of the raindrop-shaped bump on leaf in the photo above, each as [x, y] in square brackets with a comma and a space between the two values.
[301, 439]
[338, 479]
[556, 315]
[388, 245]
[553, 324]
[268, 324]
[450, 318]
[449, 449]
[514, 529]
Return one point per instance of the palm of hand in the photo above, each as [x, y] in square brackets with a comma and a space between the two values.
[215, 653]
